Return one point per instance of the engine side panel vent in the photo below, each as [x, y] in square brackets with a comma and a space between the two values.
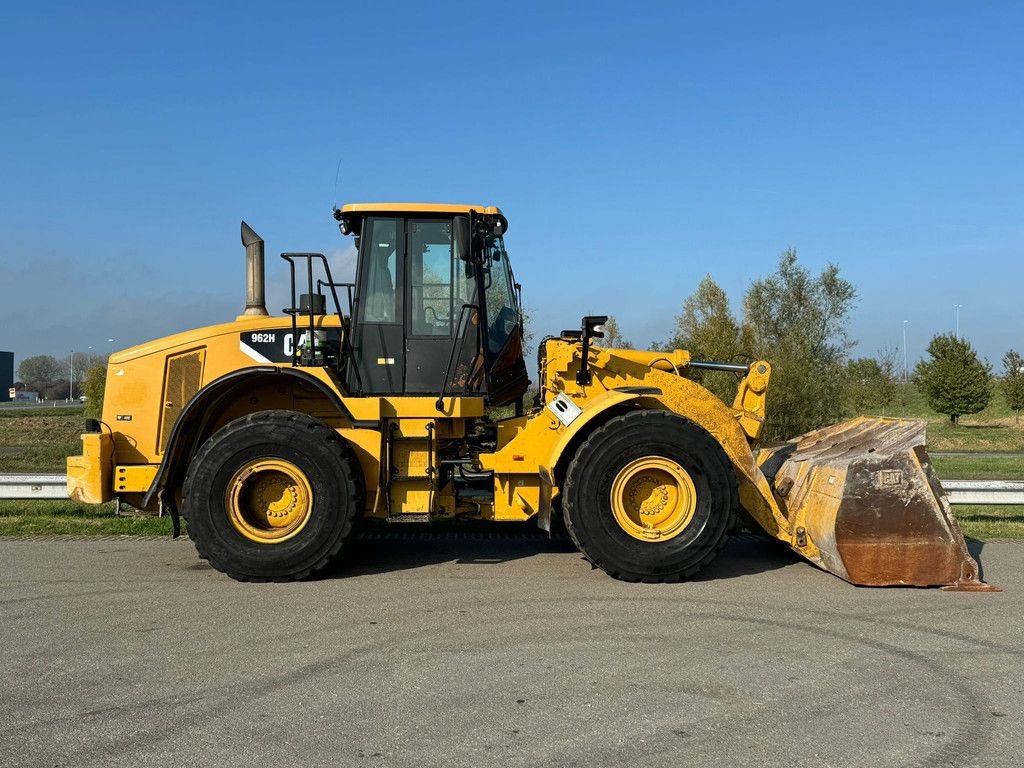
[184, 378]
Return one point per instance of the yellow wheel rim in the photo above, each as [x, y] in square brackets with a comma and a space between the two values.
[653, 498]
[269, 500]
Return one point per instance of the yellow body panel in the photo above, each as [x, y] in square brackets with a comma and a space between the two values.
[398, 407]
[134, 478]
[209, 334]
[89, 477]
[137, 397]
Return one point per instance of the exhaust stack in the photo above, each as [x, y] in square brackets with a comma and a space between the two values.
[255, 282]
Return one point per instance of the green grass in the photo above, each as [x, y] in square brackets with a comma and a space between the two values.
[38, 458]
[64, 410]
[979, 467]
[37, 517]
[994, 429]
[942, 436]
[995, 522]
[39, 439]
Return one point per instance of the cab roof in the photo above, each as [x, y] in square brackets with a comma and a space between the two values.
[362, 208]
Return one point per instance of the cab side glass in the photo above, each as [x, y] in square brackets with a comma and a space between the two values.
[381, 302]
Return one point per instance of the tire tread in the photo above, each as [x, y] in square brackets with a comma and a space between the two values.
[319, 430]
[573, 478]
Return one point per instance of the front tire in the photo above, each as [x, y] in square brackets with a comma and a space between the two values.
[650, 496]
[272, 496]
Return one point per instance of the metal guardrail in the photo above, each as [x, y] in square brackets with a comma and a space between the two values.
[33, 486]
[984, 491]
[960, 491]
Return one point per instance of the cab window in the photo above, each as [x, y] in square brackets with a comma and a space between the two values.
[430, 277]
[440, 282]
[380, 248]
[502, 308]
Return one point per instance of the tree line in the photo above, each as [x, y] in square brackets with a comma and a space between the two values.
[50, 377]
[798, 321]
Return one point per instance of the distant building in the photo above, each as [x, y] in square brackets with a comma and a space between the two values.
[6, 375]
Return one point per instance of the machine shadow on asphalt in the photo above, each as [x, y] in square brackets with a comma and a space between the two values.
[380, 551]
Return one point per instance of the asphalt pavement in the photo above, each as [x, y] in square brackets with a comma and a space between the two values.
[498, 651]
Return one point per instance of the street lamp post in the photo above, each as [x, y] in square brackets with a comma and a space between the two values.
[71, 381]
[904, 351]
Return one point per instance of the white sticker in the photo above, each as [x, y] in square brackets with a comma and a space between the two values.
[565, 410]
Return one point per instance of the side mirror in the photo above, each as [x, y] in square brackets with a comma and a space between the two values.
[593, 326]
[460, 234]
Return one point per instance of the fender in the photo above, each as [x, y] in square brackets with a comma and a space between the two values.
[596, 411]
[553, 445]
[544, 445]
[179, 445]
[546, 441]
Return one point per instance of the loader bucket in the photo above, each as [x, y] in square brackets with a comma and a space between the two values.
[864, 502]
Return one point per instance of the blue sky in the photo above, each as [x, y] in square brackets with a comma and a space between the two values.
[635, 148]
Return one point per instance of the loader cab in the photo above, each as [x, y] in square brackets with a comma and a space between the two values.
[436, 309]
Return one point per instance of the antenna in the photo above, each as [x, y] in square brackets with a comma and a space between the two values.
[337, 173]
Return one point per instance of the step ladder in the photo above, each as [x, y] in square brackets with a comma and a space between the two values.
[408, 475]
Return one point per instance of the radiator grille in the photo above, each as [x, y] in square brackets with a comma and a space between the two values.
[184, 377]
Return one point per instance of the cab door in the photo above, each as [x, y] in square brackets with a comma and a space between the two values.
[438, 285]
[378, 333]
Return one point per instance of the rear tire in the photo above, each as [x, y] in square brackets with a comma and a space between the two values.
[272, 496]
[650, 496]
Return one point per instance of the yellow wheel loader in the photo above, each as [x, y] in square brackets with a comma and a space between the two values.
[273, 436]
